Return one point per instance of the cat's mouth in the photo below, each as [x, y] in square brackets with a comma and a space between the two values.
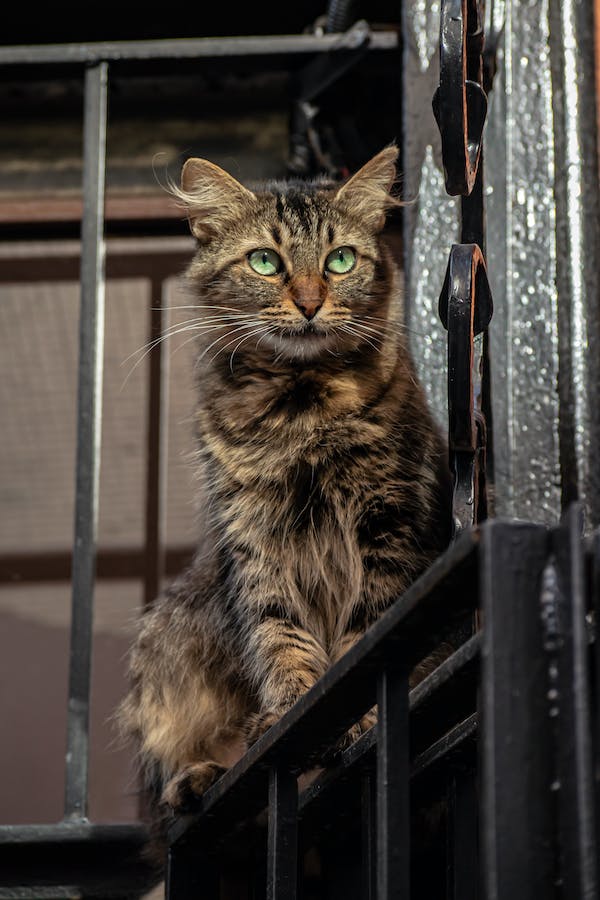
[312, 333]
[311, 330]
[307, 341]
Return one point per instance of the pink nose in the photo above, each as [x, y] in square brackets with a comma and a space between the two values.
[308, 294]
[308, 306]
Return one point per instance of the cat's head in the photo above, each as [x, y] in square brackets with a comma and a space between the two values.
[295, 269]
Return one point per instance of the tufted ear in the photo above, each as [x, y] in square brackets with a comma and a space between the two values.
[367, 194]
[211, 196]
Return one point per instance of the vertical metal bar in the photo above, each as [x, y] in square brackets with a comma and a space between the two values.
[190, 874]
[596, 608]
[462, 850]
[472, 213]
[517, 771]
[282, 849]
[393, 829]
[577, 197]
[522, 261]
[369, 842]
[157, 434]
[91, 341]
[473, 232]
[466, 309]
[575, 782]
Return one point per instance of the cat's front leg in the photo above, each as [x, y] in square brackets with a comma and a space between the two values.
[283, 661]
[369, 719]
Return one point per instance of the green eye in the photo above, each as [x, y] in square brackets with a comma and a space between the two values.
[341, 260]
[265, 262]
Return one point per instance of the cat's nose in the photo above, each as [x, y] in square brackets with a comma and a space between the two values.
[308, 306]
[308, 295]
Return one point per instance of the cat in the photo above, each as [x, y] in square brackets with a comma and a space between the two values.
[326, 481]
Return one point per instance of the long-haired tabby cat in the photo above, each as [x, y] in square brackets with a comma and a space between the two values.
[325, 477]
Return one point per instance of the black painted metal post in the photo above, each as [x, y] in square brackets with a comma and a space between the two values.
[462, 843]
[465, 310]
[393, 825]
[517, 767]
[282, 850]
[575, 781]
[595, 586]
[369, 836]
[91, 340]
[460, 108]
[190, 875]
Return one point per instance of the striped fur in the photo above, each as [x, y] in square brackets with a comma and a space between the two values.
[325, 480]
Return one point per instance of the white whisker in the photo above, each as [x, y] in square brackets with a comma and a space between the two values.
[377, 332]
[178, 327]
[245, 338]
[148, 348]
[208, 323]
[357, 334]
[234, 309]
[210, 346]
[259, 326]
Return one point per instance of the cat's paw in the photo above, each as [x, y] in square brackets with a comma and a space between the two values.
[259, 723]
[189, 783]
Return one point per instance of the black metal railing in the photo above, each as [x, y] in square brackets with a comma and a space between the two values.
[376, 670]
[496, 745]
[460, 107]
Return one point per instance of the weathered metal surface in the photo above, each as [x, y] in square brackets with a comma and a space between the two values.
[516, 765]
[541, 196]
[466, 310]
[460, 103]
[460, 107]
[577, 198]
[432, 218]
[187, 48]
[521, 219]
[91, 344]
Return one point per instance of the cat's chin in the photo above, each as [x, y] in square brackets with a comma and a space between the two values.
[306, 345]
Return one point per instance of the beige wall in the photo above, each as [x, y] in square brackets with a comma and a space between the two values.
[38, 371]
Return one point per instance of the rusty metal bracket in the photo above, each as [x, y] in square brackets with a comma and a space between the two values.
[465, 310]
[460, 103]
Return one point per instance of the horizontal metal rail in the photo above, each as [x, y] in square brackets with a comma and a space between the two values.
[191, 49]
[73, 859]
[80, 832]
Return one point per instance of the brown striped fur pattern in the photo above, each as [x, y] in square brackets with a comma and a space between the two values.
[325, 482]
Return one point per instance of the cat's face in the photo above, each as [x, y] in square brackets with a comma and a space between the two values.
[293, 272]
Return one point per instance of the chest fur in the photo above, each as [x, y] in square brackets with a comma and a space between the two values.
[289, 489]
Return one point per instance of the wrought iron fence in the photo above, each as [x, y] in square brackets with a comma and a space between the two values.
[481, 781]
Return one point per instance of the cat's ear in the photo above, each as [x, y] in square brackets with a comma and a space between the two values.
[367, 193]
[212, 197]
